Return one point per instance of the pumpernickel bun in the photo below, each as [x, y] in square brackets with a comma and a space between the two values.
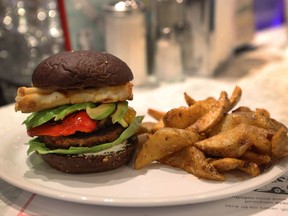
[94, 163]
[81, 69]
[80, 121]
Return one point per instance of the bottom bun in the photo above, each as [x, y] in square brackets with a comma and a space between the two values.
[91, 163]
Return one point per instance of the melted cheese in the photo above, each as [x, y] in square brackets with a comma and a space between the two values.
[35, 99]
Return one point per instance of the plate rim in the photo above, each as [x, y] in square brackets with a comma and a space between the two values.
[118, 202]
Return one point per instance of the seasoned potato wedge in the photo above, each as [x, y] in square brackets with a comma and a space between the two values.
[279, 144]
[183, 117]
[210, 137]
[259, 159]
[211, 118]
[232, 143]
[156, 114]
[236, 141]
[164, 142]
[193, 161]
[235, 97]
[189, 100]
[228, 164]
[250, 118]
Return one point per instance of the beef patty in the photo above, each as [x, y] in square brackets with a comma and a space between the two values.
[103, 135]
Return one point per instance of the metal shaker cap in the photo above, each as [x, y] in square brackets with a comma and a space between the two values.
[123, 7]
[168, 12]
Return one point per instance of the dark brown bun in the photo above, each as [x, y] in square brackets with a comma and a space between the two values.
[81, 69]
[80, 164]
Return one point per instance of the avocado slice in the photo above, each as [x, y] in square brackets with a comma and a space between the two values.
[71, 109]
[102, 111]
[117, 116]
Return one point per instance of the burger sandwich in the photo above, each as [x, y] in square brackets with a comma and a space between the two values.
[80, 120]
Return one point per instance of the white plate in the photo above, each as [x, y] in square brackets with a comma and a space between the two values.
[153, 186]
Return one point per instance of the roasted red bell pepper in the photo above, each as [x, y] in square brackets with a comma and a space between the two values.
[79, 121]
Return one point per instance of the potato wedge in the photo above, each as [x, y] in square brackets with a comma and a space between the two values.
[164, 142]
[228, 164]
[156, 114]
[189, 100]
[235, 97]
[180, 117]
[259, 159]
[216, 113]
[236, 141]
[183, 117]
[146, 127]
[263, 112]
[260, 139]
[193, 161]
[242, 109]
[251, 118]
[279, 144]
[157, 126]
[232, 143]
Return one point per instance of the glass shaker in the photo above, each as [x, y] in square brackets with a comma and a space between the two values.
[125, 35]
[168, 57]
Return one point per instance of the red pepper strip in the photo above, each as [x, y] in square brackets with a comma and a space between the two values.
[79, 121]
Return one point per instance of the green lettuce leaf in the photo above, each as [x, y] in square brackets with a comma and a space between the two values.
[36, 145]
[58, 113]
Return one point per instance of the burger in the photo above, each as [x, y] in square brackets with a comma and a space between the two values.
[79, 119]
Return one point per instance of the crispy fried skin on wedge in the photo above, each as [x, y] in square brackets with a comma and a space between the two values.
[164, 142]
[193, 161]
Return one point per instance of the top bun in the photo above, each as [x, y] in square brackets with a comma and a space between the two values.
[81, 69]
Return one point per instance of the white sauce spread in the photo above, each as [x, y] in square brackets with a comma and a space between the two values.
[114, 149]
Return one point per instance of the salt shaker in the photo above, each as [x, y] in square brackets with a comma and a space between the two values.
[125, 35]
[168, 58]
[168, 62]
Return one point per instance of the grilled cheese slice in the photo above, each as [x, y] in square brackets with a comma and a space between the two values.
[32, 99]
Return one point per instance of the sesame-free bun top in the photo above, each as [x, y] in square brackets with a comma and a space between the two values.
[81, 69]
